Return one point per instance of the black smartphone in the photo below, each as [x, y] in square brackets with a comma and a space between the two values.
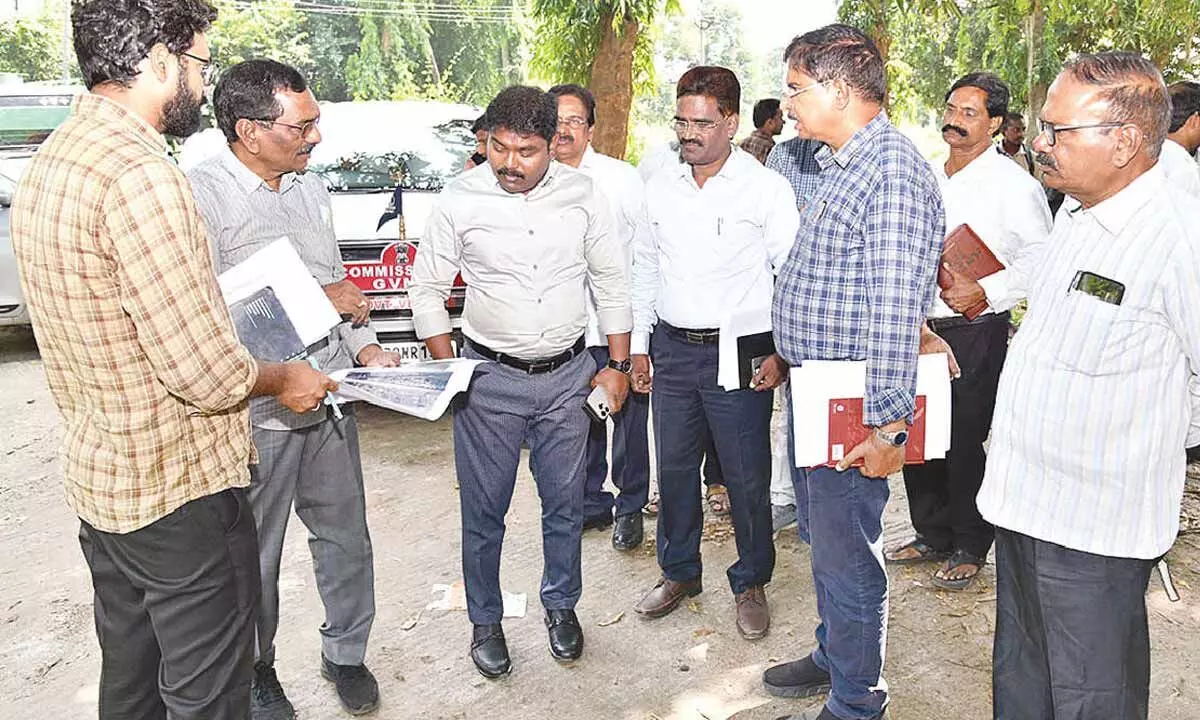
[1101, 288]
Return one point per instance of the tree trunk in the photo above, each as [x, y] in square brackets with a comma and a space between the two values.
[1035, 25]
[612, 84]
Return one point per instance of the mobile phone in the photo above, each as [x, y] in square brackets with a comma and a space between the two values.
[597, 406]
[1101, 288]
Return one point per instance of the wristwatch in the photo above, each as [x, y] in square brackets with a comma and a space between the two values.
[896, 438]
[623, 366]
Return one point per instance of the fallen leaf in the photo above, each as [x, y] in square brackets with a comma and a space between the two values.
[612, 620]
[694, 606]
[411, 623]
[702, 632]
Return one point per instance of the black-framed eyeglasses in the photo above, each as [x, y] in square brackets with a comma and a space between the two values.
[303, 128]
[1050, 129]
[208, 68]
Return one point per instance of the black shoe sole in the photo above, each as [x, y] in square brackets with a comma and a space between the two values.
[626, 547]
[667, 610]
[563, 659]
[796, 691]
[353, 711]
[494, 676]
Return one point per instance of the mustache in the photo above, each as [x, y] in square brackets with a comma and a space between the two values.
[566, 138]
[697, 143]
[510, 173]
[1045, 161]
[307, 149]
[955, 128]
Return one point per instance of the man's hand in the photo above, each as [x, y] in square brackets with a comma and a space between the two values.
[964, 293]
[880, 459]
[303, 389]
[770, 375]
[616, 386]
[347, 299]
[932, 343]
[639, 376]
[375, 356]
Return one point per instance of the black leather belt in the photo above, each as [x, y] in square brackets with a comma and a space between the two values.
[695, 336]
[940, 324]
[533, 367]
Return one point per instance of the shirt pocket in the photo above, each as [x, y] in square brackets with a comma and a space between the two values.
[1098, 337]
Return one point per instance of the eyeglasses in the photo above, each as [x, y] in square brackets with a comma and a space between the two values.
[1050, 129]
[574, 121]
[702, 126]
[303, 128]
[790, 92]
[208, 68]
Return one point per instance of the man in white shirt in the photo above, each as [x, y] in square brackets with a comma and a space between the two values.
[529, 236]
[1183, 137]
[1006, 208]
[1085, 469]
[717, 226]
[622, 187]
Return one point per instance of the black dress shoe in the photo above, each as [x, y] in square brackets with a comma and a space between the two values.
[598, 522]
[627, 532]
[566, 637]
[356, 686]
[489, 650]
[267, 701]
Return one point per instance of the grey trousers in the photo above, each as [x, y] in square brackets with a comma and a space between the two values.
[318, 469]
[503, 408]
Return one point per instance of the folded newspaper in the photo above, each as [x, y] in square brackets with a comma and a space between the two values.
[423, 389]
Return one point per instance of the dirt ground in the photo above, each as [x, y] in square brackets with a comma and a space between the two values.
[689, 665]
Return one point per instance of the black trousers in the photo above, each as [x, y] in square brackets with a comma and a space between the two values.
[175, 603]
[941, 493]
[1072, 641]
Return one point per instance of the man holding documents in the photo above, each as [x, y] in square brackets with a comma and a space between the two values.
[855, 286]
[147, 373]
[992, 206]
[252, 193]
[1086, 467]
[716, 226]
[529, 236]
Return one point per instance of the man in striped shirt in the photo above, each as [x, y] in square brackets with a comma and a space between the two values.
[1086, 465]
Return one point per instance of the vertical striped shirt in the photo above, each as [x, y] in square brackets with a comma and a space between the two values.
[139, 348]
[1093, 408]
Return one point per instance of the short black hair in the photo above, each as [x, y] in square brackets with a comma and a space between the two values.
[993, 87]
[716, 82]
[764, 110]
[524, 110]
[1185, 102]
[1011, 117]
[247, 90]
[584, 95]
[479, 124]
[840, 52]
[1134, 90]
[112, 36]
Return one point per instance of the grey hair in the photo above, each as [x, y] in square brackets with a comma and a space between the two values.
[1133, 88]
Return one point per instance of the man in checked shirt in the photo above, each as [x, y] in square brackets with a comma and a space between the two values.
[146, 370]
[855, 286]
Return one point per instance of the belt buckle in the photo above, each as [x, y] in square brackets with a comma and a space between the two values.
[695, 338]
[540, 367]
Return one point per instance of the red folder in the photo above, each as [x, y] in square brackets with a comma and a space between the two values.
[967, 254]
[846, 430]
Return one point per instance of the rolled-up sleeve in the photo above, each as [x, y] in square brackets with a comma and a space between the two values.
[170, 292]
[436, 265]
[606, 270]
[904, 228]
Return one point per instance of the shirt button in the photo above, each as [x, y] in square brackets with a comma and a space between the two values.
[530, 232]
[535, 267]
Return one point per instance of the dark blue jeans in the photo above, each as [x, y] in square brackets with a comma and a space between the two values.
[840, 514]
[630, 451]
[687, 403]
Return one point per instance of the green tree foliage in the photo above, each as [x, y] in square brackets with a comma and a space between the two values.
[31, 48]
[261, 29]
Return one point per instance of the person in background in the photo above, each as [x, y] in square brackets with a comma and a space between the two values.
[768, 122]
[1183, 137]
[479, 130]
[146, 370]
[1012, 142]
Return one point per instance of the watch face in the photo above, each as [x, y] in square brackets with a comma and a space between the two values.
[901, 438]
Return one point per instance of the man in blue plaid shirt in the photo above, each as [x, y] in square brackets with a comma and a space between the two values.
[856, 286]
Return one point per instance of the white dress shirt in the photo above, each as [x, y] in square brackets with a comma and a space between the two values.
[528, 260]
[661, 156]
[1007, 209]
[1180, 167]
[625, 192]
[1093, 409]
[701, 252]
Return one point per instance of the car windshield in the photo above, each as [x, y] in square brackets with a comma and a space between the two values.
[387, 144]
[26, 120]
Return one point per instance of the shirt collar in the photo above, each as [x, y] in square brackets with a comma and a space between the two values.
[245, 178]
[1115, 213]
[98, 107]
[978, 164]
[546, 183]
[731, 170]
[861, 139]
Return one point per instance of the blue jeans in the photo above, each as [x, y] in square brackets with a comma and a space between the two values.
[840, 515]
[687, 404]
[630, 451]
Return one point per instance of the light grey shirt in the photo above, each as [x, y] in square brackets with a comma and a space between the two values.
[1094, 410]
[242, 215]
[528, 260]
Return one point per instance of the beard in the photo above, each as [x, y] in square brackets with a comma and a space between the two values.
[181, 114]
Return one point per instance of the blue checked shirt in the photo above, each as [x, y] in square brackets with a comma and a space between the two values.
[861, 275]
[796, 160]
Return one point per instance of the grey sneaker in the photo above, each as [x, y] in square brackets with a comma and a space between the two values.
[782, 516]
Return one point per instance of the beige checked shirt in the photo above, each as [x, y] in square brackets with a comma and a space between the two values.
[139, 348]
